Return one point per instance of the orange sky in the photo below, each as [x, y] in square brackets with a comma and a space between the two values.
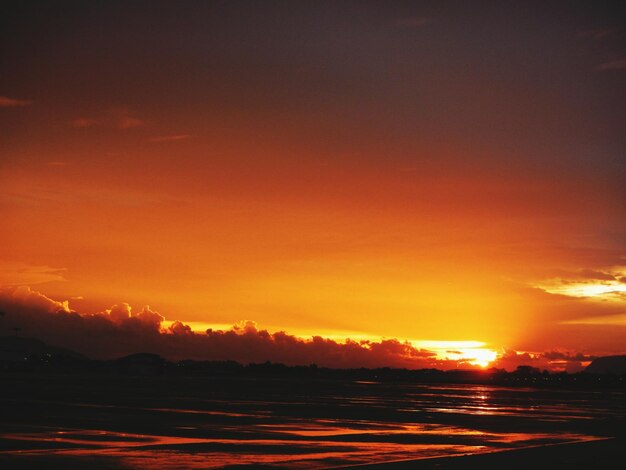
[325, 173]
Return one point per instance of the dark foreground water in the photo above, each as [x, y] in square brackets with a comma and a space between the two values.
[176, 423]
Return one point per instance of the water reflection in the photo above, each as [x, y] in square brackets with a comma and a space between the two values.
[335, 424]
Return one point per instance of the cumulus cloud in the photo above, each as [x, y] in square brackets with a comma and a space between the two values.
[149, 317]
[119, 312]
[24, 298]
[6, 102]
[119, 331]
[179, 328]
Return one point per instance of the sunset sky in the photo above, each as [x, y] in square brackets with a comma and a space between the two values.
[423, 171]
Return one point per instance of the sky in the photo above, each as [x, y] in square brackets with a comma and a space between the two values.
[440, 174]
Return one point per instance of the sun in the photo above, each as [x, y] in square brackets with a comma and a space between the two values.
[471, 352]
[481, 357]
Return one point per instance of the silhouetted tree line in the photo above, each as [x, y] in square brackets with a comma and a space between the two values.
[152, 364]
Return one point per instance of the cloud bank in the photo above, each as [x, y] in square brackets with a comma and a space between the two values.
[120, 331]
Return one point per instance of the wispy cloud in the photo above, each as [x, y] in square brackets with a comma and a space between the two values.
[83, 122]
[120, 118]
[6, 102]
[128, 122]
[170, 138]
[17, 274]
[57, 163]
[618, 64]
[616, 319]
[588, 283]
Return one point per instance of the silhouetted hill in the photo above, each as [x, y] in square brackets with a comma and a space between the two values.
[608, 365]
[15, 348]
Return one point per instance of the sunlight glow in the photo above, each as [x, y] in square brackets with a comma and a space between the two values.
[605, 289]
[475, 356]
[472, 352]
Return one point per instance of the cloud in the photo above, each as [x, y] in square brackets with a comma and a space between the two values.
[128, 122]
[119, 312]
[24, 298]
[619, 64]
[120, 118]
[6, 102]
[613, 319]
[587, 283]
[19, 274]
[149, 317]
[551, 360]
[179, 328]
[566, 356]
[170, 138]
[83, 122]
[597, 275]
[118, 331]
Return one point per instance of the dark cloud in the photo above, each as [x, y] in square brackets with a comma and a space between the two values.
[119, 312]
[552, 360]
[118, 331]
[179, 328]
[150, 318]
[24, 298]
[564, 356]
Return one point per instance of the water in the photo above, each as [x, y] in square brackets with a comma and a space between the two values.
[173, 423]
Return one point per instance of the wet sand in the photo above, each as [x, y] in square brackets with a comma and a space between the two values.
[601, 454]
[171, 423]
